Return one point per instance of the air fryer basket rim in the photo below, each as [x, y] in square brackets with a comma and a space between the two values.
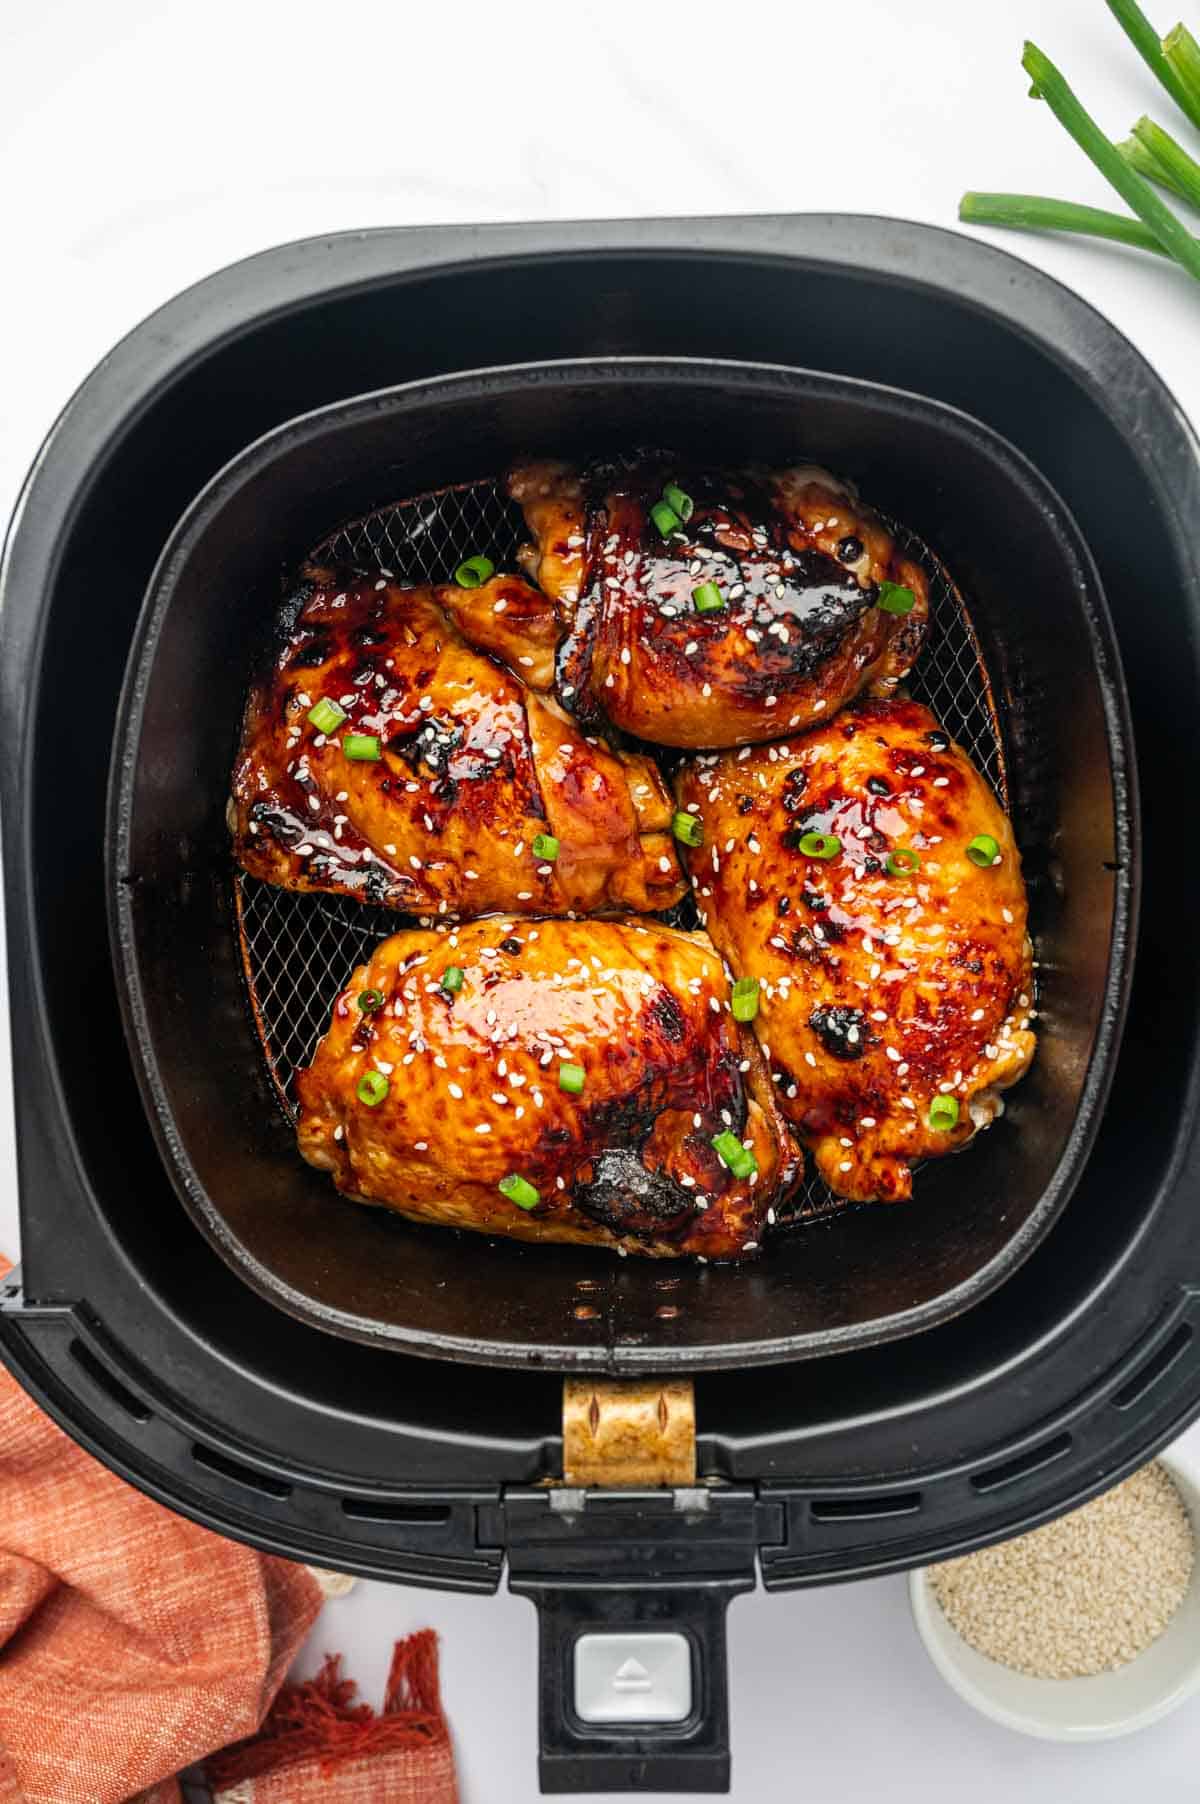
[261, 454]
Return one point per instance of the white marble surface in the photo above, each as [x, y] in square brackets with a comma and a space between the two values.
[142, 146]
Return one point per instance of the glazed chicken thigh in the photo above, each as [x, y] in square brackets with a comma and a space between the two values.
[716, 610]
[385, 757]
[865, 875]
[550, 1080]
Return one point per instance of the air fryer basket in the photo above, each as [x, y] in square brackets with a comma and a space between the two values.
[150, 1349]
[870, 1276]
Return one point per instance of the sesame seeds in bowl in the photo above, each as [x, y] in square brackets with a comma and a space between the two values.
[1083, 1630]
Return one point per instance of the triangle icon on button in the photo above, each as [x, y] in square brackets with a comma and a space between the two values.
[631, 1675]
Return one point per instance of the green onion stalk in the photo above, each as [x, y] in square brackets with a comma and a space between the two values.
[1154, 227]
[1170, 58]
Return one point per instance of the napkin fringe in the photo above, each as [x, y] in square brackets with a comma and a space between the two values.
[319, 1720]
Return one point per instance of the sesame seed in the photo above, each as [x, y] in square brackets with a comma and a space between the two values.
[845, 1165]
[625, 654]
[483, 1127]
[1085, 1594]
[456, 1092]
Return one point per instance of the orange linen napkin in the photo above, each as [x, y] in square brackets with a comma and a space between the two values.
[134, 1644]
[319, 1747]
[131, 1642]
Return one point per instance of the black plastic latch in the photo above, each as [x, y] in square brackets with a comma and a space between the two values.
[627, 1582]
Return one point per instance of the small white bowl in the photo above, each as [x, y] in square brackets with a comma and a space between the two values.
[1094, 1709]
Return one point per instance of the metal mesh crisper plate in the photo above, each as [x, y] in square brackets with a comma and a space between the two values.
[298, 950]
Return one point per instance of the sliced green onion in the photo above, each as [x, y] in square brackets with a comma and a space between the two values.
[983, 850]
[820, 845]
[570, 1078]
[326, 715]
[744, 1000]
[738, 1158]
[452, 978]
[474, 572]
[363, 748]
[894, 598]
[687, 828]
[370, 1001]
[372, 1087]
[520, 1191]
[665, 518]
[943, 1113]
[708, 598]
[545, 846]
[679, 502]
[902, 861]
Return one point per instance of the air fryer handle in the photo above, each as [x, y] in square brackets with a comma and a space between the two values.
[613, 1655]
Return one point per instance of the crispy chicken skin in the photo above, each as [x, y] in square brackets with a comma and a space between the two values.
[474, 763]
[473, 1088]
[878, 992]
[797, 559]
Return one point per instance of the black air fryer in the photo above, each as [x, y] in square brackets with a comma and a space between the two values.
[1015, 1340]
